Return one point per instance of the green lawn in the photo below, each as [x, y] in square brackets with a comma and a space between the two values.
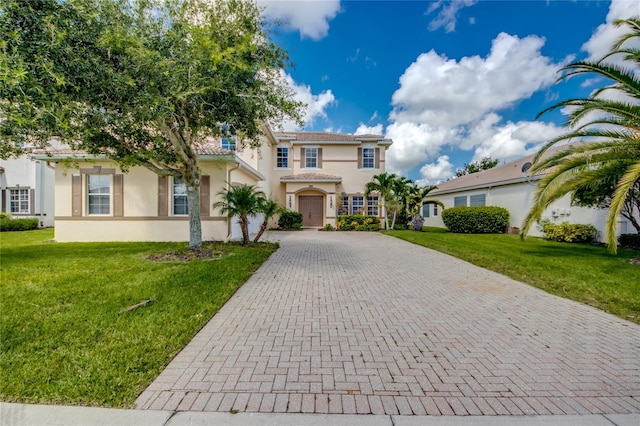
[582, 272]
[63, 338]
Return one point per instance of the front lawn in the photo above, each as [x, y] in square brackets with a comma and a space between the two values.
[582, 272]
[65, 338]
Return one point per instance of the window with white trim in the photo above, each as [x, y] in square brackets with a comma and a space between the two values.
[98, 194]
[282, 157]
[435, 210]
[344, 208]
[425, 210]
[477, 200]
[228, 140]
[368, 157]
[19, 200]
[180, 204]
[372, 206]
[357, 204]
[311, 158]
[460, 201]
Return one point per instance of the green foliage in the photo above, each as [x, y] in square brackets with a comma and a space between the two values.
[9, 223]
[570, 232]
[358, 223]
[476, 220]
[242, 201]
[328, 227]
[629, 241]
[63, 339]
[477, 166]
[290, 220]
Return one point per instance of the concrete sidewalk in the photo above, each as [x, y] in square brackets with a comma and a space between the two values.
[42, 415]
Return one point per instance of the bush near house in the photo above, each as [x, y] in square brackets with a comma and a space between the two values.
[290, 220]
[10, 223]
[570, 232]
[358, 223]
[476, 219]
[629, 241]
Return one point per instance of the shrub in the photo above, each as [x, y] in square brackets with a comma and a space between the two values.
[290, 220]
[476, 220]
[358, 223]
[9, 223]
[328, 227]
[570, 232]
[629, 241]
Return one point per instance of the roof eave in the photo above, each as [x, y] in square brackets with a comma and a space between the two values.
[485, 185]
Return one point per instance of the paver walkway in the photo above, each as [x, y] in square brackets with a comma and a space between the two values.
[365, 323]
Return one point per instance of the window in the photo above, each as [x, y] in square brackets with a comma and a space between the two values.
[311, 158]
[460, 201]
[179, 195]
[477, 200]
[98, 194]
[228, 140]
[19, 200]
[372, 206]
[425, 210]
[357, 204]
[368, 157]
[344, 208]
[435, 210]
[282, 157]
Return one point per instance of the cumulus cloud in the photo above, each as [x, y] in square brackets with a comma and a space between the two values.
[316, 104]
[363, 129]
[434, 173]
[310, 17]
[447, 10]
[443, 102]
[607, 34]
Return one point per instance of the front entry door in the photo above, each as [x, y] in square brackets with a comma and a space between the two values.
[311, 209]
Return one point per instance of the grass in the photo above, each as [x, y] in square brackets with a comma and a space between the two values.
[582, 272]
[63, 338]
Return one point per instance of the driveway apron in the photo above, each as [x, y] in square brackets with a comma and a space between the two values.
[364, 323]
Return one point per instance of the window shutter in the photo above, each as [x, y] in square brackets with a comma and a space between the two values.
[32, 201]
[205, 202]
[319, 163]
[163, 197]
[377, 165]
[302, 159]
[76, 195]
[359, 158]
[118, 196]
[4, 200]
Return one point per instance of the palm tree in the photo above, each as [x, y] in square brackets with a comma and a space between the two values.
[242, 201]
[609, 130]
[269, 208]
[383, 184]
[415, 201]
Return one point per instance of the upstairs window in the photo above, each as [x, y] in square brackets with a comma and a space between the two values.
[282, 157]
[368, 157]
[98, 194]
[179, 196]
[311, 158]
[228, 140]
[19, 200]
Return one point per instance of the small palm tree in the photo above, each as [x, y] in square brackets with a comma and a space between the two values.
[269, 208]
[415, 201]
[382, 184]
[242, 201]
[609, 130]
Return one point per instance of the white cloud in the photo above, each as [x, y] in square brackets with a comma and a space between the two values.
[434, 173]
[607, 34]
[310, 17]
[446, 17]
[444, 102]
[316, 104]
[363, 129]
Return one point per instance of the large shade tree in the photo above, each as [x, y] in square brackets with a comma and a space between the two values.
[606, 127]
[143, 82]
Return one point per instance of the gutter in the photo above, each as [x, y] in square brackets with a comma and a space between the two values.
[485, 185]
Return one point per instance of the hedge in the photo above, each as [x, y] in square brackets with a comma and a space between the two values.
[356, 222]
[570, 232]
[629, 241]
[8, 223]
[290, 220]
[476, 219]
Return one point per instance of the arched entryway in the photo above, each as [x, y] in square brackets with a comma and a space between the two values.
[311, 206]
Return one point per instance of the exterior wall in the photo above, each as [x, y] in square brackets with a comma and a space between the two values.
[35, 176]
[518, 199]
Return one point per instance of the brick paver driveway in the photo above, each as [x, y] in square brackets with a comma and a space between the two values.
[365, 323]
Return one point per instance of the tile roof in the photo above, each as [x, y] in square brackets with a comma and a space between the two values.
[327, 137]
[306, 177]
[209, 148]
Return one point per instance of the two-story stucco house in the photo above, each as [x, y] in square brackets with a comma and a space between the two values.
[313, 173]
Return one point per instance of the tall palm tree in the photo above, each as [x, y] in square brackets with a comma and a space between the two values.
[608, 128]
[383, 184]
[269, 208]
[242, 201]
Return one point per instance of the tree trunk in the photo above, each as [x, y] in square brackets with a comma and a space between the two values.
[195, 225]
[263, 228]
[244, 225]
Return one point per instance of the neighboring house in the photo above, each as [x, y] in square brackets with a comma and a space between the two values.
[28, 188]
[510, 186]
[313, 173]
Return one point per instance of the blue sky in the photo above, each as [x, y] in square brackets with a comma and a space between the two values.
[449, 81]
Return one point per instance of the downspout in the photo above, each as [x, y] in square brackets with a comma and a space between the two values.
[237, 166]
